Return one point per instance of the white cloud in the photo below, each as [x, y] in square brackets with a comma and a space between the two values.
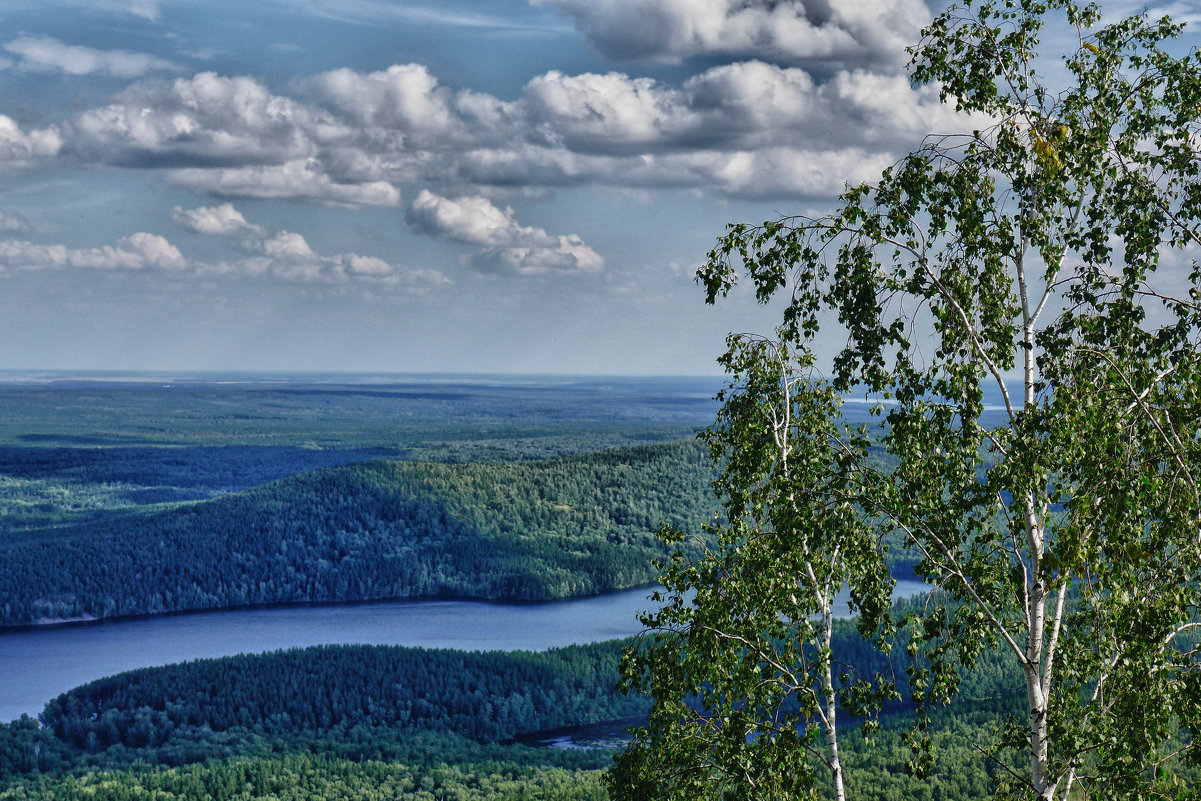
[136, 252]
[287, 245]
[22, 255]
[12, 222]
[232, 138]
[568, 256]
[735, 106]
[286, 255]
[343, 268]
[20, 149]
[223, 220]
[366, 265]
[46, 54]
[470, 219]
[300, 180]
[772, 172]
[848, 32]
[637, 133]
[405, 99]
[604, 112]
[283, 257]
[203, 120]
[509, 247]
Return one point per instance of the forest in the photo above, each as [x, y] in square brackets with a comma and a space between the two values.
[486, 697]
[570, 526]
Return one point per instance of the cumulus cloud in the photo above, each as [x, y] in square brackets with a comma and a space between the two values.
[846, 32]
[405, 99]
[46, 54]
[298, 180]
[773, 172]
[21, 149]
[136, 252]
[364, 133]
[223, 220]
[286, 255]
[509, 247]
[735, 106]
[635, 132]
[598, 113]
[283, 257]
[204, 120]
[286, 245]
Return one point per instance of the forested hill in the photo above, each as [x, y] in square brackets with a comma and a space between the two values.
[523, 531]
[485, 697]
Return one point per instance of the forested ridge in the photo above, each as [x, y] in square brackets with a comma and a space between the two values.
[536, 530]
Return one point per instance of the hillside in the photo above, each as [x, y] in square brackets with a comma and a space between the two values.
[533, 530]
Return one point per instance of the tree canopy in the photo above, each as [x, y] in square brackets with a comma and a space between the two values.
[1049, 254]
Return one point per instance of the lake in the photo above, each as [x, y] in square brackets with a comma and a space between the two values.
[38, 665]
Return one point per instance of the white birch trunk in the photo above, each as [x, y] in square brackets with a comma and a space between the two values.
[831, 701]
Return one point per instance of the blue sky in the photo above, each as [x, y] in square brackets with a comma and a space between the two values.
[443, 186]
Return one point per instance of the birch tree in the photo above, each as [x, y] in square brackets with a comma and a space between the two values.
[1048, 254]
[744, 676]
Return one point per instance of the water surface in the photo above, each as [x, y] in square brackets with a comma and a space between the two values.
[38, 665]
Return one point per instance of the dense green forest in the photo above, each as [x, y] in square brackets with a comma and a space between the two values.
[299, 777]
[483, 696]
[875, 774]
[539, 530]
[366, 721]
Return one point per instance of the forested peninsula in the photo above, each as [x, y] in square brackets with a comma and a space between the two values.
[534, 530]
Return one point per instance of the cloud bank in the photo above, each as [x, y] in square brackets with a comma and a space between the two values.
[749, 128]
[139, 251]
[782, 31]
[288, 256]
[282, 255]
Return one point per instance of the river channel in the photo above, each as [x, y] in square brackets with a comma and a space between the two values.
[38, 665]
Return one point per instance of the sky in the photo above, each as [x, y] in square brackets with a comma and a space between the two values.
[499, 186]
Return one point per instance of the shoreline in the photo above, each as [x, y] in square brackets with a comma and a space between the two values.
[49, 624]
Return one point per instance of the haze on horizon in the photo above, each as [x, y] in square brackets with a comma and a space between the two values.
[362, 185]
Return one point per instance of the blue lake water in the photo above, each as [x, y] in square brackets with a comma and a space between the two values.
[38, 665]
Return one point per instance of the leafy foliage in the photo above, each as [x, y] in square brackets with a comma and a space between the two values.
[1040, 250]
[743, 671]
